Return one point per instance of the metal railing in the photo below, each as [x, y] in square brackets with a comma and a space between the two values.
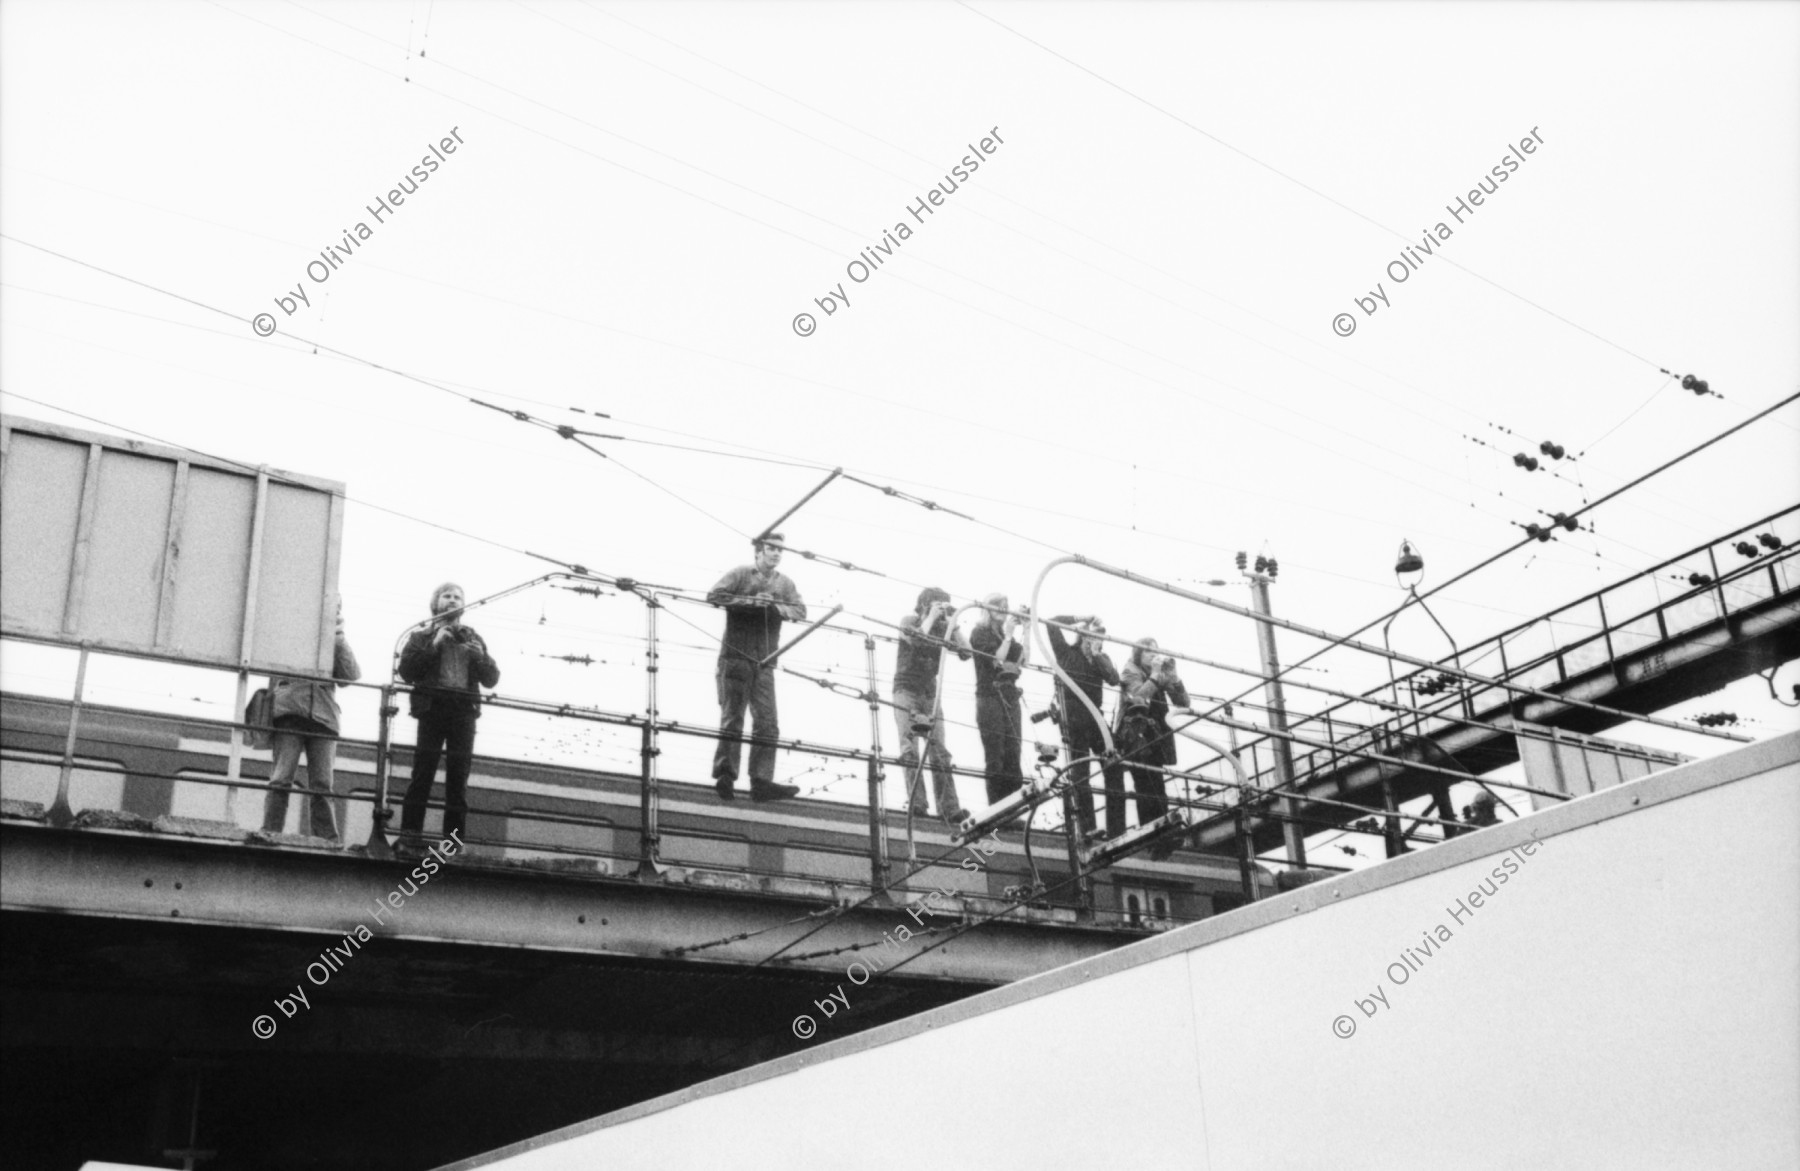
[1618, 623]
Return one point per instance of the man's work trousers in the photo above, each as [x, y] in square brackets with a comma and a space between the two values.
[909, 709]
[292, 733]
[999, 721]
[744, 684]
[1084, 739]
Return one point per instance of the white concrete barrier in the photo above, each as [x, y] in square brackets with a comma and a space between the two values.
[1611, 983]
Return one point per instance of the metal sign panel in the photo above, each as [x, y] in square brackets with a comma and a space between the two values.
[119, 545]
[1568, 762]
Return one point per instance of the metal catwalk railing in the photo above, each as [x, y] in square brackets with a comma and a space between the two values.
[91, 733]
[1626, 621]
[1492, 674]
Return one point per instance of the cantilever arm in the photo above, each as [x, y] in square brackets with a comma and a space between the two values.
[777, 652]
[776, 523]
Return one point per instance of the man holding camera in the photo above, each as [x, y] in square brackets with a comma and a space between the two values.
[923, 635]
[1092, 669]
[447, 663]
[1146, 686]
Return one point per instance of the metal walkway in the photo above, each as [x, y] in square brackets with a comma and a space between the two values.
[1643, 644]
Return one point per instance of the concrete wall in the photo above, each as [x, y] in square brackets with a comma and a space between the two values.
[1626, 994]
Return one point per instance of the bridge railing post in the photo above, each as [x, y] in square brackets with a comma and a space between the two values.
[379, 846]
[1241, 815]
[878, 837]
[61, 813]
[650, 865]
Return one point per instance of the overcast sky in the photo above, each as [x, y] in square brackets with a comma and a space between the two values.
[1115, 337]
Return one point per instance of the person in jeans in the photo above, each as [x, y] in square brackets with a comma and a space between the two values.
[1092, 669]
[923, 634]
[305, 715]
[1000, 654]
[756, 599]
[1147, 684]
[447, 663]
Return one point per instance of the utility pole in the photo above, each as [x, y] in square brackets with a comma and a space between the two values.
[1259, 579]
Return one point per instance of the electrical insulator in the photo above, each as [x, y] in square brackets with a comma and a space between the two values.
[1553, 450]
[1262, 563]
[1566, 521]
[1697, 385]
[1243, 560]
[1747, 549]
[1716, 719]
[1699, 579]
[1769, 540]
[1528, 462]
[1541, 532]
[1274, 568]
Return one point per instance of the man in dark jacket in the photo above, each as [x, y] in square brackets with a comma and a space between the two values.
[1000, 654]
[756, 599]
[447, 663]
[1147, 685]
[1092, 670]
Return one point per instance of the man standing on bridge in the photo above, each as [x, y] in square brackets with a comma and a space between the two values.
[1000, 654]
[448, 664]
[923, 635]
[1091, 669]
[756, 598]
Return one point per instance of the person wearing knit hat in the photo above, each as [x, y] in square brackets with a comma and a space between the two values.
[447, 663]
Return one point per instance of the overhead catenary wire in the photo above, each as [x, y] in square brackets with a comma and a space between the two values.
[365, 33]
[1052, 338]
[1002, 196]
[1483, 564]
[1304, 186]
[436, 385]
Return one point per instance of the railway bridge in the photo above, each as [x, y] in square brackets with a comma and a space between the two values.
[1639, 645]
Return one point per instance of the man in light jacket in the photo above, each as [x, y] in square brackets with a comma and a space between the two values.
[305, 715]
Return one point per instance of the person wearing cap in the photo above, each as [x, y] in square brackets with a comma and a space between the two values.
[756, 599]
[1147, 684]
[447, 663]
[1000, 655]
[1092, 669]
[923, 635]
[305, 716]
